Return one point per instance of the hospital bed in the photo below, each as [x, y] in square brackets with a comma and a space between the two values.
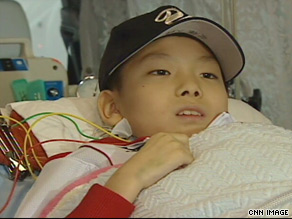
[56, 127]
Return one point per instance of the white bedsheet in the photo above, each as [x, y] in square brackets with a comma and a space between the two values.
[6, 185]
[237, 168]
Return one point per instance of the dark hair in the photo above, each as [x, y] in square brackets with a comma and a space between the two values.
[115, 80]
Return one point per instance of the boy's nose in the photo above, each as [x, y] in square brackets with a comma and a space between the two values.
[195, 93]
[189, 88]
[188, 85]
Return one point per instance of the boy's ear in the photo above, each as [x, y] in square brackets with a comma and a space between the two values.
[108, 109]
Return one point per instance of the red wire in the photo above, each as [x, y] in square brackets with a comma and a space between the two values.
[22, 157]
[12, 190]
[109, 159]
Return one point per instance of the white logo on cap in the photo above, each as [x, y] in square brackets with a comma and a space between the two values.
[170, 15]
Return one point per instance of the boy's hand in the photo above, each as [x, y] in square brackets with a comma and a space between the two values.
[163, 153]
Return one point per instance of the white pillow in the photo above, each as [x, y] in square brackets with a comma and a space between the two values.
[243, 112]
[56, 127]
[87, 108]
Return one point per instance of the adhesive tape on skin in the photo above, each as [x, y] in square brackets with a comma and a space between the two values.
[222, 119]
[122, 129]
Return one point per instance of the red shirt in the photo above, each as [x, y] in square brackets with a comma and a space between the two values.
[100, 202]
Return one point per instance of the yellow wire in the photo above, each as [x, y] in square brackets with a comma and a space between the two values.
[52, 114]
[80, 118]
[27, 134]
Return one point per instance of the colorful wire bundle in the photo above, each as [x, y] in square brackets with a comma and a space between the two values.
[59, 114]
[28, 140]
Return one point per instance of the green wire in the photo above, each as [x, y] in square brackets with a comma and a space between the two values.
[45, 113]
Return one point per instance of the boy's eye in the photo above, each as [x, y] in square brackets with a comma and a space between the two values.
[160, 72]
[209, 75]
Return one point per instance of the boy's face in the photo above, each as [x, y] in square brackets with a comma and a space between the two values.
[172, 85]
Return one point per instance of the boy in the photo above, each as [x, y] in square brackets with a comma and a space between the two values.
[162, 78]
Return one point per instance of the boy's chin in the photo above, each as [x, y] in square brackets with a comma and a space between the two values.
[191, 133]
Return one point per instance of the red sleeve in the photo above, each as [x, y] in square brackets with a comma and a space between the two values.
[101, 202]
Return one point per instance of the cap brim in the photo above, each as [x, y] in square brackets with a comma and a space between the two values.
[226, 49]
[223, 45]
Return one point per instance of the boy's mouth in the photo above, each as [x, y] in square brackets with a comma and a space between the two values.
[189, 113]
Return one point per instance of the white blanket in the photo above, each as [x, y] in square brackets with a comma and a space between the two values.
[237, 167]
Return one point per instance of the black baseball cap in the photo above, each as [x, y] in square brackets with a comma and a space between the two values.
[132, 35]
